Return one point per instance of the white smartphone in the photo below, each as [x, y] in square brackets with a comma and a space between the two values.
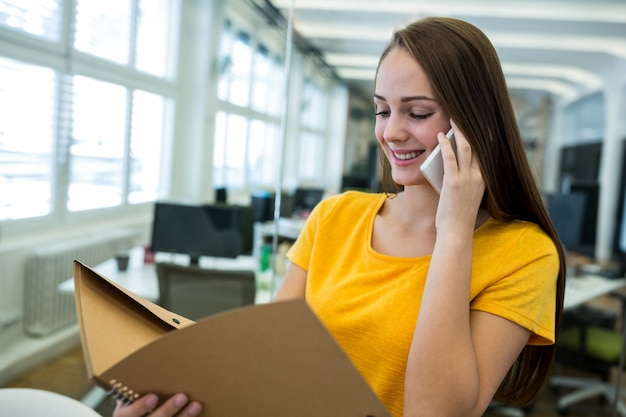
[432, 168]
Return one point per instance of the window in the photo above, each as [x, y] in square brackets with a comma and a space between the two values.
[311, 153]
[145, 139]
[97, 146]
[40, 18]
[231, 131]
[157, 24]
[77, 122]
[267, 75]
[263, 153]
[240, 71]
[103, 29]
[224, 61]
[312, 133]
[247, 125]
[27, 128]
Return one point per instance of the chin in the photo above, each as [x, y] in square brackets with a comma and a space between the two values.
[406, 181]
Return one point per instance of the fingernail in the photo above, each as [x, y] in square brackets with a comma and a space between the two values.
[194, 409]
[151, 401]
[180, 400]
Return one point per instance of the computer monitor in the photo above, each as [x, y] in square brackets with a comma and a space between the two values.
[264, 203]
[621, 239]
[581, 162]
[217, 230]
[355, 182]
[620, 236]
[591, 190]
[305, 199]
[221, 195]
[567, 212]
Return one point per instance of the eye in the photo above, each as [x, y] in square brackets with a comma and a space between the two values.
[382, 113]
[421, 116]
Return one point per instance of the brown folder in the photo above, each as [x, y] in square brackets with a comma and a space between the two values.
[273, 359]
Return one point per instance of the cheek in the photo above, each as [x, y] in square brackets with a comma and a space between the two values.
[379, 130]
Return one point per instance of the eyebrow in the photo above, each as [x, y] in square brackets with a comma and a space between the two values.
[408, 98]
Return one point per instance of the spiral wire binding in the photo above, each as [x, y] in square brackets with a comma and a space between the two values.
[121, 392]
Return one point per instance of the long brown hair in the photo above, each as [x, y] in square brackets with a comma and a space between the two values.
[465, 73]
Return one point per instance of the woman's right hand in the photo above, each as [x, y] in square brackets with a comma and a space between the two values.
[178, 405]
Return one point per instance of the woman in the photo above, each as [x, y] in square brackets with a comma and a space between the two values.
[444, 302]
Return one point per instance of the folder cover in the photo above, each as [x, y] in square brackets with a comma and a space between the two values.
[273, 359]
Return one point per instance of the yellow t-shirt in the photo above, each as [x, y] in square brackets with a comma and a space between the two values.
[370, 301]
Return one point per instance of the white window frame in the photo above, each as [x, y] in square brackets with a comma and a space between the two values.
[66, 61]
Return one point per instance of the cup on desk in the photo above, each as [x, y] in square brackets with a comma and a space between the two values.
[148, 255]
[122, 261]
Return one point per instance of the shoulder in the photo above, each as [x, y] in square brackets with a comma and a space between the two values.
[353, 201]
[517, 237]
[345, 209]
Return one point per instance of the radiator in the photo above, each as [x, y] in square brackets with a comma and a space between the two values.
[46, 309]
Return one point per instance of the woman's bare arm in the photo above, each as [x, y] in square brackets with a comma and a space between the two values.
[293, 285]
[457, 358]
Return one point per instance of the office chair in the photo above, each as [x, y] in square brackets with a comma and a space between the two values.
[196, 292]
[590, 342]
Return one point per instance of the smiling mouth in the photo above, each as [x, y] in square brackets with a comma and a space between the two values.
[407, 156]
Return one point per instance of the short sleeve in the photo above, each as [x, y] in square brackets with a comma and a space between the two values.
[523, 274]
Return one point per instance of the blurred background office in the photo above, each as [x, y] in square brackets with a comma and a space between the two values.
[107, 107]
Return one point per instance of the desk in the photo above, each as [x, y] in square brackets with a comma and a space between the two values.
[142, 278]
[584, 288]
[287, 229]
[579, 290]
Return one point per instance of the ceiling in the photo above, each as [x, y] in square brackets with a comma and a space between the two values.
[565, 48]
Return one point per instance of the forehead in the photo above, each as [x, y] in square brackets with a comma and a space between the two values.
[399, 74]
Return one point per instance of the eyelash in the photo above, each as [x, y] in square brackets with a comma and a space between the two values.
[386, 113]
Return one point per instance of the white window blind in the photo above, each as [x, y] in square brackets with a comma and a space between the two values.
[40, 18]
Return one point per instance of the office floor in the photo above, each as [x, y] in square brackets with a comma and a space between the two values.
[67, 375]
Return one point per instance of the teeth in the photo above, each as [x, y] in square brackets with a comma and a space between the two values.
[405, 156]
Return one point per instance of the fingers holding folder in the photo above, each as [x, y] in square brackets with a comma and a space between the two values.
[178, 405]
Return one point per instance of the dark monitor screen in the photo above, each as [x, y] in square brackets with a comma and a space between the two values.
[355, 182]
[307, 198]
[567, 212]
[581, 162]
[620, 239]
[591, 190]
[198, 230]
[265, 202]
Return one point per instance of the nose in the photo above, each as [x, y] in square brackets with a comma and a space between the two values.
[395, 129]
